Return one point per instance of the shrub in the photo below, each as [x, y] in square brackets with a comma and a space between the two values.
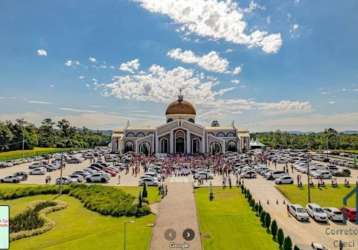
[211, 195]
[140, 199]
[280, 237]
[14, 193]
[274, 229]
[296, 248]
[287, 245]
[267, 221]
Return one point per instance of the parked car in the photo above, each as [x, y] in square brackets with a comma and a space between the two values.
[36, 165]
[98, 177]
[64, 180]
[334, 214]
[76, 178]
[10, 179]
[316, 212]
[349, 213]
[298, 212]
[21, 175]
[150, 181]
[284, 180]
[37, 171]
[249, 174]
[52, 167]
[276, 174]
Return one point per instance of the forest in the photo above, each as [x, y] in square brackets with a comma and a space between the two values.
[61, 134]
[329, 139]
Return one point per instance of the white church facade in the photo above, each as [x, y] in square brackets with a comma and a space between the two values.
[181, 135]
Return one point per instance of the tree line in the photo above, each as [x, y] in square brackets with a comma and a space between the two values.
[329, 139]
[60, 134]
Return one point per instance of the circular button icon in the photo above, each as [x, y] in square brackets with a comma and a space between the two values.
[188, 234]
[170, 234]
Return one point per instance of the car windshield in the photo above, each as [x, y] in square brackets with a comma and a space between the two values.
[318, 210]
[300, 210]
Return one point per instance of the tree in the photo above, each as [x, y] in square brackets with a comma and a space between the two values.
[262, 217]
[5, 137]
[47, 133]
[296, 248]
[144, 193]
[267, 221]
[280, 237]
[274, 229]
[287, 245]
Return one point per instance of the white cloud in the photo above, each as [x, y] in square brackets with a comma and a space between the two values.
[355, 90]
[210, 62]
[235, 81]
[52, 85]
[253, 6]
[229, 50]
[77, 110]
[92, 59]
[160, 85]
[38, 102]
[130, 66]
[237, 71]
[70, 63]
[81, 77]
[214, 19]
[41, 52]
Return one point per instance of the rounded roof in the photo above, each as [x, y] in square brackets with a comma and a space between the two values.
[180, 107]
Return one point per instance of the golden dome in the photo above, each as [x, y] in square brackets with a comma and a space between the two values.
[180, 107]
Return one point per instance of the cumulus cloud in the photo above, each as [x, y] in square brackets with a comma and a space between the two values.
[235, 81]
[130, 66]
[158, 84]
[214, 19]
[41, 52]
[92, 59]
[70, 63]
[210, 62]
[237, 71]
[253, 6]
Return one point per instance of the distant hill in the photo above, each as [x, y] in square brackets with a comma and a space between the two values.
[350, 132]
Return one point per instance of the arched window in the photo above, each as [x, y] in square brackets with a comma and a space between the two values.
[220, 134]
[130, 134]
[169, 120]
[191, 120]
[140, 134]
[230, 134]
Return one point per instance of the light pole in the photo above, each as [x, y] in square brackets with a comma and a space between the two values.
[125, 233]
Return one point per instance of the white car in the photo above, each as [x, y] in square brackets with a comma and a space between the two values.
[249, 174]
[98, 177]
[10, 179]
[150, 181]
[298, 212]
[284, 180]
[37, 171]
[76, 178]
[63, 180]
[36, 165]
[334, 214]
[316, 212]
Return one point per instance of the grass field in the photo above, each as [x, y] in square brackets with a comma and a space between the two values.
[79, 228]
[16, 154]
[324, 197]
[229, 223]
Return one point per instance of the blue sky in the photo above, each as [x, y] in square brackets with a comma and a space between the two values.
[267, 65]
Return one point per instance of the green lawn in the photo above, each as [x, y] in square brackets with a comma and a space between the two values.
[324, 197]
[79, 228]
[229, 223]
[16, 154]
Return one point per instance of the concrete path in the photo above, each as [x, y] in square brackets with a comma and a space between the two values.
[177, 212]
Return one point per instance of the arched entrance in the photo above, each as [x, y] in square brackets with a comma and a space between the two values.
[144, 148]
[129, 147]
[215, 148]
[196, 146]
[231, 146]
[180, 142]
[164, 146]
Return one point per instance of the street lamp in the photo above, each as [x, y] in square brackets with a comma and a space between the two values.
[125, 233]
[308, 177]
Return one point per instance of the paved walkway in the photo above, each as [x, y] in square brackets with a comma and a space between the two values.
[177, 211]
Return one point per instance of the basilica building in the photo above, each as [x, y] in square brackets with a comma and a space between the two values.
[181, 135]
